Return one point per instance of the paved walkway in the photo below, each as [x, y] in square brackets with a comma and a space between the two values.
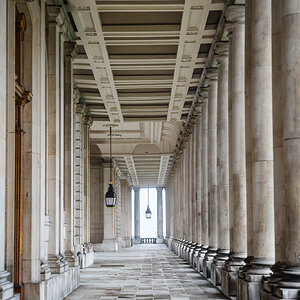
[142, 272]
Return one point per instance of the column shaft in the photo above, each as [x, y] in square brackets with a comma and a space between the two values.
[262, 135]
[222, 151]
[160, 235]
[137, 225]
[291, 129]
[54, 106]
[68, 154]
[198, 180]
[237, 128]
[212, 160]
[204, 198]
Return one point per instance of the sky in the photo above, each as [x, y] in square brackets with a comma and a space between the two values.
[148, 226]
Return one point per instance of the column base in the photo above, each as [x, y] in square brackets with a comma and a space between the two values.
[6, 287]
[57, 287]
[208, 261]
[108, 246]
[87, 258]
[201, 258]
[287, 285]
[250, 281]
[126, 242]
[71, 258]
[159, 240]
[271, 283]
[136, 240]
[55, 264]
[45, 270]
[217, 266]
[230, 273]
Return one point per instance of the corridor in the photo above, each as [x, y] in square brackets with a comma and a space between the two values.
[142, 272]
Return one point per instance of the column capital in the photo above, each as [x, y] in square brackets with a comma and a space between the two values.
[87, 121]
[212, 74]
[235, 14]
[136, 188]
[69, 47]
[222, 49]
[54, 14]
[204, 93]
[159, 189]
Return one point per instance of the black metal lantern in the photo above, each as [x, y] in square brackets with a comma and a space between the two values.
[148, 212]
[110, 196]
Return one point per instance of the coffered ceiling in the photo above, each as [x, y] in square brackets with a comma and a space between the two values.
[138, 66]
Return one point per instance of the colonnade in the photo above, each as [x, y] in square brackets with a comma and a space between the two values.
[246, 122]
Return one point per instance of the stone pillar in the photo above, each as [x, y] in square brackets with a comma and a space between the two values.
[279, 167]
[238, 240]
[68, 155]
[223, 164]
[198, 180]
[204, 198]
[288, 106]
[212, 172]
[77, 177]
[160, 233]
[54, 258]
[6, 287]
[109, 242]
[262, 151]
[137, 221]
[126, 213]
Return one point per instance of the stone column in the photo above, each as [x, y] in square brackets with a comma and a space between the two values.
[137, 221]
[68, 155]
[212, 172]
[222, 164]
[279, 167]
[289, 285]
[109, 242]
[54, 257]
[238, 246]
[262, 150]
[126, 213]
[160, 233]
[77, 177]
[6, 287]
[198, 180]
[204, 198]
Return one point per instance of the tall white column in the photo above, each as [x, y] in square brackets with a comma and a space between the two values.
[223, 163]
[54, 135]
[198, 180]
[6, 287]
[204, 187]
[262, 149]
[278, 143]
[68, 155]
[160, 234]
[289, 285]
[109, 242]
[238, 240]
[137, 221]
[212, 171]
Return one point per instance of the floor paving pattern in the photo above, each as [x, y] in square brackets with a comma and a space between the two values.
[142, 272]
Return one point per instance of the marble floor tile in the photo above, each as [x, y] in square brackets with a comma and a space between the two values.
[142, 272]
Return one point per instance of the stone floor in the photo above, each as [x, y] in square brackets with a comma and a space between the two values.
[142, 272]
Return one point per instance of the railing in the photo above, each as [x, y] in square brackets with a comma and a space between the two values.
[148, 240]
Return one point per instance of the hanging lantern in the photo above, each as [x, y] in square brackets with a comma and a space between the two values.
[148, 212]
[110, 196]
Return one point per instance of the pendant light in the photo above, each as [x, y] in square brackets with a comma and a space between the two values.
[110, 196]
[148, 212]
